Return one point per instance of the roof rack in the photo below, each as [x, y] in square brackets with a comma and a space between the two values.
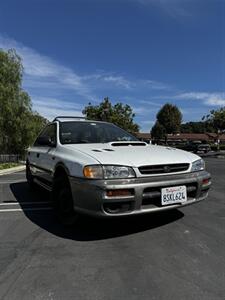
[67, 117]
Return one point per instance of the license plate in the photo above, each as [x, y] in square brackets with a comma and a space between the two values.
[175, 194]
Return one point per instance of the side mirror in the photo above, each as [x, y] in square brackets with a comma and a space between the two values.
[45, 141]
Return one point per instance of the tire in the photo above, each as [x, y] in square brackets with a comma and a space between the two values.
[29, 177]
[63, 202]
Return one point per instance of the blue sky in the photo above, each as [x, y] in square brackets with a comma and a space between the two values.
[141, 52]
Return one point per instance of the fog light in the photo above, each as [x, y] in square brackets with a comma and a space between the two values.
[118, 207]
[119, 193]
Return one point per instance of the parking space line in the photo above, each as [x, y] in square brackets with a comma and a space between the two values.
[24, 209]
[23, 203]
[12, 181]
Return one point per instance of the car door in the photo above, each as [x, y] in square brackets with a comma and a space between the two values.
[44, 154]
[33, 156]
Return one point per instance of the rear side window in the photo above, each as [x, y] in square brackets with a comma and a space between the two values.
[49, 132]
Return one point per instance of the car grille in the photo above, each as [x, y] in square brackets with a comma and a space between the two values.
[152, 196]
[160, 169]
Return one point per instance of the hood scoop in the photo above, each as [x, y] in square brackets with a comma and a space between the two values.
[102, 150]
[122, 144]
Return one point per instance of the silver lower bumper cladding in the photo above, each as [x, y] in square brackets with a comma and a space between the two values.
[90, 196]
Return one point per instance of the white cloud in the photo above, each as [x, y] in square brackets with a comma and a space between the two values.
[51, 107]
[156, 85]
[150, 103]
[43, 70]
[108, 79]
[143, 111]
[210, 99]
[174, 8]
[54, 102]
[112, 79]
[118, 80]
[216, 101]
[50, 113]
[46, 80]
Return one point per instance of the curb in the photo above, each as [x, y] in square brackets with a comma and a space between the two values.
[215, 154]
[12, 170]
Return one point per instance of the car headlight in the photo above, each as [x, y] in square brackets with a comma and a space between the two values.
[198, 165]
[111, 172]
[108, 172]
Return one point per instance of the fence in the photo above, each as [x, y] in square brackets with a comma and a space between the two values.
[8, 158]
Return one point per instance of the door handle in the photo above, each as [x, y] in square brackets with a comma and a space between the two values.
[38, 154]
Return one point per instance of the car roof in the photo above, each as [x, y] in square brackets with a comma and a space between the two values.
[74, 119]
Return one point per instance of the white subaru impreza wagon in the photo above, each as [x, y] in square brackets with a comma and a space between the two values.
[99, 169]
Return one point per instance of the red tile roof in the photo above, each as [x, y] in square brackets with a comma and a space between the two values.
[185, 136]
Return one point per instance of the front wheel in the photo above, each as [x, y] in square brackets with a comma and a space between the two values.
[63, 203]
[29, 176]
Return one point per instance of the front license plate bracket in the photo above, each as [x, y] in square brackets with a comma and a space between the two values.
[173, 195]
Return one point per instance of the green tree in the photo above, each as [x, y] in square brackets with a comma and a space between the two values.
[119, 114]
[18, 123]
[158, 131]
[168, 120]
[216, 119]
[196, 127]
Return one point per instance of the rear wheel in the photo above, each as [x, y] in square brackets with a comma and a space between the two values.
[63, 201]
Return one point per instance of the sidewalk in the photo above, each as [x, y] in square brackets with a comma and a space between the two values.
[12, 170]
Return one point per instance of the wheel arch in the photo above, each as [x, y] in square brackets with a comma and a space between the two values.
[61, 169]
[60, 177]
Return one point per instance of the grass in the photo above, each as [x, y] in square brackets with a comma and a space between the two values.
[8, 165]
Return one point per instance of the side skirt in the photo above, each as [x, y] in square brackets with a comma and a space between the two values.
[42, 184]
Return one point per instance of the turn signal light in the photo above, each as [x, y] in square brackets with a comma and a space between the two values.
[94, 172]
[119, 193]
[205, 181]
[88, 172]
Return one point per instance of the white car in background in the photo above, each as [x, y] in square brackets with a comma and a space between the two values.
[99, 169]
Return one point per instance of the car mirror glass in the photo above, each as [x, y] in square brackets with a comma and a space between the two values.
[45, 141]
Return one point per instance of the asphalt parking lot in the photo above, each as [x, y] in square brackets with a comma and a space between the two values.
[179, 254]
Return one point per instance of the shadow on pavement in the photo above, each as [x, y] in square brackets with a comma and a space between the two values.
[88, 228]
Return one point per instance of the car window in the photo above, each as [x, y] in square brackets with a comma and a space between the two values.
[92, 132]
[50, 132]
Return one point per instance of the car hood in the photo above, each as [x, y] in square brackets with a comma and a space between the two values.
[134, 156]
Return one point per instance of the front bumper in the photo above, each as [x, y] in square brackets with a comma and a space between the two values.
[90, 196]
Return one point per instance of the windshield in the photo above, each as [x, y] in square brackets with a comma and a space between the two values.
[92, 132]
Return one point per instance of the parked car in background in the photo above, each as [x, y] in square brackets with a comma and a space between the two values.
[197, 147]
[99, 169]
[203, 148]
